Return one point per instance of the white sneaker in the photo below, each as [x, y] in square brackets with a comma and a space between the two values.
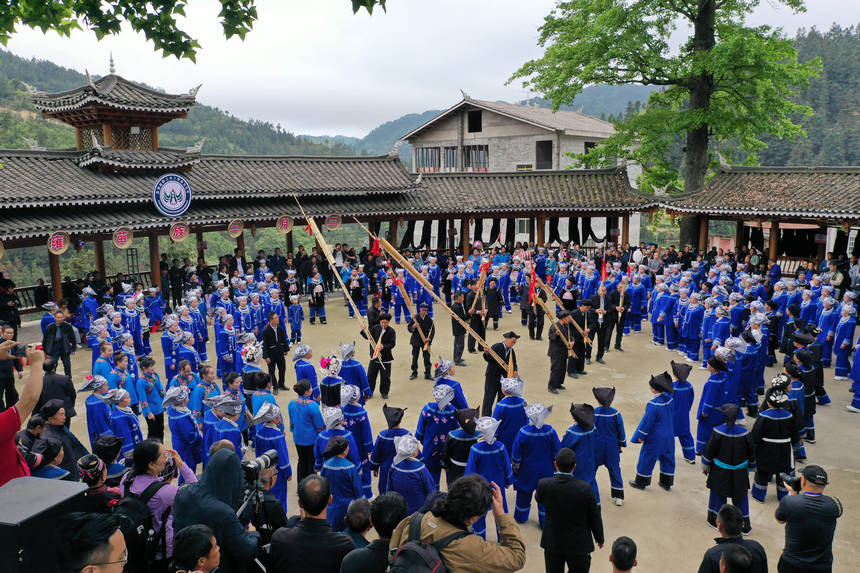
[691, 462]
[851, 408]
[841, 378]
[619, 502]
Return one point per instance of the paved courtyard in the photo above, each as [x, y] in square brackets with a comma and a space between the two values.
[668, 527]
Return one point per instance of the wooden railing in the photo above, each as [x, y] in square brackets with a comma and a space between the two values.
[27, 294]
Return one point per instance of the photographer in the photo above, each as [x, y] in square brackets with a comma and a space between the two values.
[213, 501]
[266, 514]
[810, 522]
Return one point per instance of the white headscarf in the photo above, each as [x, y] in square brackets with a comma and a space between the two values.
[513, 386]
[348, 393]
[443, 395]
[537, 413]
[487, 426]
[405, 447]
[267, 413]
[332, 417]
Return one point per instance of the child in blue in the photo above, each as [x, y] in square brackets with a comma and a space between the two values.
[510, 411]
[123, 420]
[104, 363]
[115, 329]
[201, 327]
[707, 334]
[131, 321]
[843, 341]
[151, 392]
[295, 316]
[407, 475]
[638, 296]
[184, 434]
[98, 411]
[736, 313]
[227, 427]
[399, 303]
[331, 382]
[827, 324]
[306, 422]
[51, 452]
[225, 347]
[187, 351]
[333, 418]
[353, 373]
[532, 455]
[48, 318]
[444, 369]
[691, 328]
[713, 396]
[357, 422]
[383, 451]
[668, 314]
[658, 321]
[128, 348]
[343, 478]
[270, 436]
[121, 378]
[655, 433]
[610, 439]
[435, 421]
[206, 388]
[304, 369]
[168, 347]
[581, 437]
[490, 459]
[682, 403]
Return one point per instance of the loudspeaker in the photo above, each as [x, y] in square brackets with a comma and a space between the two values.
[30, 509]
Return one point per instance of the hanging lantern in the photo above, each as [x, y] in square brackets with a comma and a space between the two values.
[333, 222]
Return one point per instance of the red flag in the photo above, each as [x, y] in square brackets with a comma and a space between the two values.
[603, 268]
[532, 292]
[375, 250]
[485, 268]
[309, 230]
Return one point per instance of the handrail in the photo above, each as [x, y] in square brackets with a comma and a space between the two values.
[27, 294]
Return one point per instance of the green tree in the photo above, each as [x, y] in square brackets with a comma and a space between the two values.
[728, 84]
[156, 19]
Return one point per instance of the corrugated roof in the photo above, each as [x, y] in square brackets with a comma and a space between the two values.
[797, 192]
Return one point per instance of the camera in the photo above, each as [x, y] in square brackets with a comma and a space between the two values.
[252, 468]
[790, 481]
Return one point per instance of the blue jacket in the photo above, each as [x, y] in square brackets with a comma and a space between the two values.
[322, 441]
[306, 371]
[432, 431]
[511, 412]
[682, 403]
[98, 418]
[185, 436]
[356, 420]
[125, 425]
[411, 479]
[610, 435]
[459, 399]
[492, 462]
[533, 452]
[583, 443]
[383, 454]
[151, 392]
[656, 429]
[306, 421]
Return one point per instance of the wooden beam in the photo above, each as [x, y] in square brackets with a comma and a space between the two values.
[201, 247]
[703, 232]
[99, 249]
[154, 138]
[78, 141]
[467, 246]
[532, 229]
[441, 234]
[240, 243]
[541, 223]
[392, 231]
[822, 247]
[739, 233]
[56, 279]
[154, 259]
[625, 228]
[773, 241]
[108, 136]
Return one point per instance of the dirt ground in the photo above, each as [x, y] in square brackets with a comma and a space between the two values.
[669, 527]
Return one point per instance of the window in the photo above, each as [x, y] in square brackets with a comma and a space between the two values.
[522, 226]
[474, 121]
[543, 154]
[589, 145]
[476, 157]
[427, 159]
[451, 159]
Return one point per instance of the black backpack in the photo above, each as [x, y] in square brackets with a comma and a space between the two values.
[415, 556]
[135, 517]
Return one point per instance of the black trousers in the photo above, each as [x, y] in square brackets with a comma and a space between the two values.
[415, 351]
[556, 560]
[176, 295]
[277, 361]
[480, 329]
[383, 372]
[536, 324]
[459, 346]
[492, 392]
[618, 327]
[453, 472]
[580, 349]
[155, 428]
[305, 466]
[556, 370]
[784, 567]
[7, 391]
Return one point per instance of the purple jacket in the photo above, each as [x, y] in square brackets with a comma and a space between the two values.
[161, 500]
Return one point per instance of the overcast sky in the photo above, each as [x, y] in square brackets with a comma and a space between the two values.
[315, 68]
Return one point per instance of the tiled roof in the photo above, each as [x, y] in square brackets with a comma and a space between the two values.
[570, 122]
[797, 192]
[46, 178]
[114, 91]
[164, 159]
[566, 190]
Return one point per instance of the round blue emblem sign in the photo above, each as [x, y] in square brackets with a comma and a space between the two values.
[172, 195]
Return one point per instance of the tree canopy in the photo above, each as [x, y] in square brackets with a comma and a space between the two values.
[722, 90]
[156, 19]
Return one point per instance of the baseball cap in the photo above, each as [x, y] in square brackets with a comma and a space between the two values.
[815, 474]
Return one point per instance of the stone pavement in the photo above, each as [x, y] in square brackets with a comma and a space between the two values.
[668, 527]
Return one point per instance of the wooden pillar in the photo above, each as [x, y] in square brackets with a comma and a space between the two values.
[611, 229]
[154, 260]
[56, 279]
[107, 134]
[822, 247]
[625, 228]
[155, 139]
[739, 233]
[452, 232]
[289, 242]
[201, 248]
[703, 232]
[392, 232]
[467, 247]
[532, 229]
[541, 224]
[240, 244]
[441, 235]
[774, 241]
[99, 251]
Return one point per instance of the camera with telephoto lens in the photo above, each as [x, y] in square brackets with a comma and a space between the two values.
[790, 481]
[252, 468]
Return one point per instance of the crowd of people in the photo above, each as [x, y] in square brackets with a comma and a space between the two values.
[729, 314]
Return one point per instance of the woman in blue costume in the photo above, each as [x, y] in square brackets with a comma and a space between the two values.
[98, 411]
[490, 459]
[357, 422]
[343, 478]
[533, 453]
[713, 396]
[333, 418]
[444, 369]
[408, 476]
[123, 421]
[304, 369]
[682, 403]
[270, 436]
[184, 434]
[352, 371]
[510, 411]
[383, 451]
[435, 421]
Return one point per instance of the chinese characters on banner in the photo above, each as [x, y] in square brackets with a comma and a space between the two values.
[179, 232]
[58, 242]
[122, 238]
[284, 224]
[235, 228]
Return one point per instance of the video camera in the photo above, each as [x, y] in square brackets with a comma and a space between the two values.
[252, 468]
